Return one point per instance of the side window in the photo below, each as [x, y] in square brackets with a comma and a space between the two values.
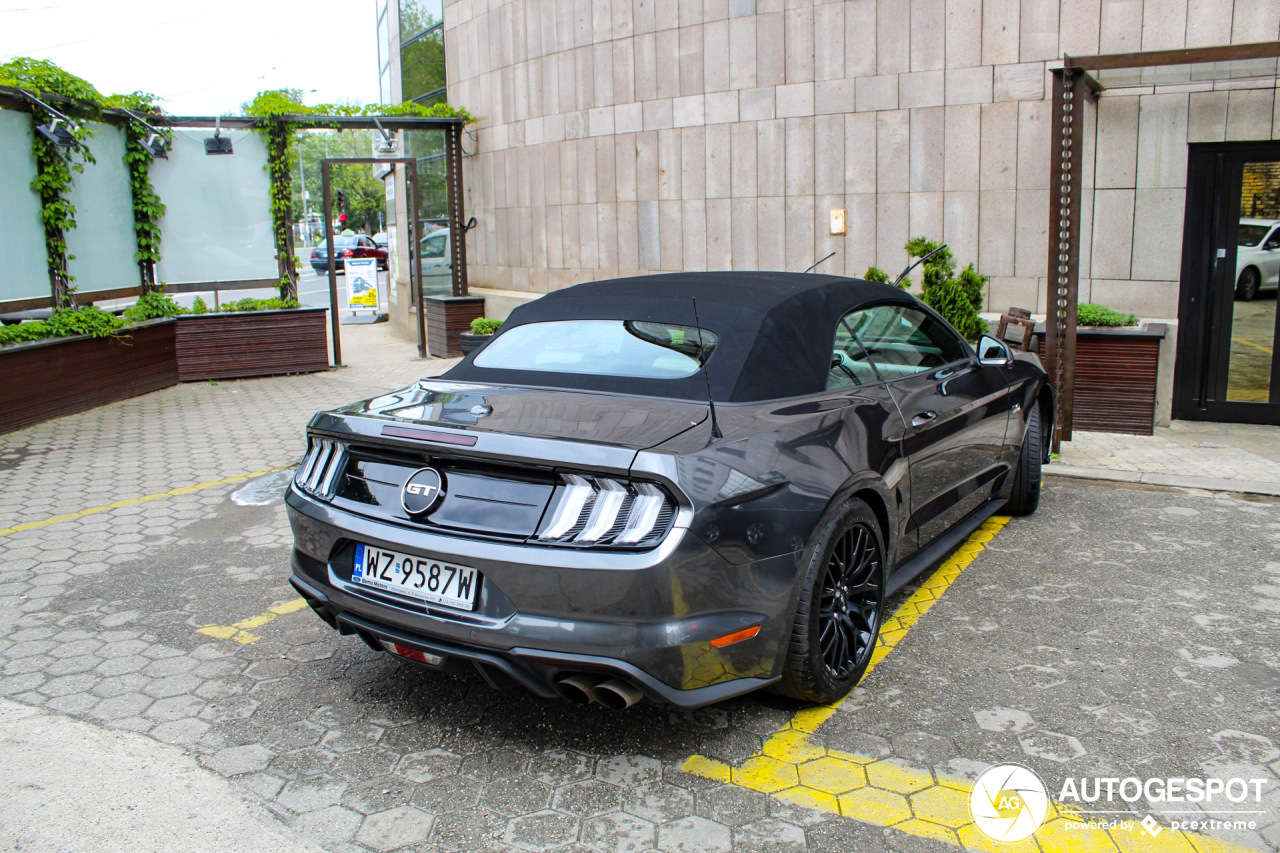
[433, 247]
[849, 363]
[900, 340]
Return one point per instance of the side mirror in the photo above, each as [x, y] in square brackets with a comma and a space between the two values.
[992, 352]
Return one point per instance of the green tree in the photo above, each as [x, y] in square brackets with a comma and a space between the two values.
[365, 194]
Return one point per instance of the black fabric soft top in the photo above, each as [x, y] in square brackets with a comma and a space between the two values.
[775, 330]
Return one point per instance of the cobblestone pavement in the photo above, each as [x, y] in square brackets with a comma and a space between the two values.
[1118, 632]
[1221, 457]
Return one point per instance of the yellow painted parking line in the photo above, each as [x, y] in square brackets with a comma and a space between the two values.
[239, 632]
[919, 802]
[1250, 343]
[181, 490]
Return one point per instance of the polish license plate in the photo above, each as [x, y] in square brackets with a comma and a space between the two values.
[421, 578]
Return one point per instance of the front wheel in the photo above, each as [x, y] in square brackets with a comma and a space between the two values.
[1025, 497]
[840, 609]
[1247, 286]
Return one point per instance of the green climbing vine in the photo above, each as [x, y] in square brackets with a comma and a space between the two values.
[147, 206]
[57, 165]
[283, 109]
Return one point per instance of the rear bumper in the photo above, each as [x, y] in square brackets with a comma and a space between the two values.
[545, 612]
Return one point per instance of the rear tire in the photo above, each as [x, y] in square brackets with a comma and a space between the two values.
[1026, 479]
[1248, 284]
[840, 610]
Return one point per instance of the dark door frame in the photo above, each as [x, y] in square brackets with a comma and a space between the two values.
[415, 264]
[1206, 295]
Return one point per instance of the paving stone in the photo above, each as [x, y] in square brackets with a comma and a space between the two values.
[240, 759]
[543, 830]
[395, 828]
[695, 835]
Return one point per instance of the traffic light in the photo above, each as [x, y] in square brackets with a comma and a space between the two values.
[342, 208]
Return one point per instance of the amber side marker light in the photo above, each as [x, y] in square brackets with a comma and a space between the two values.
[735, 637]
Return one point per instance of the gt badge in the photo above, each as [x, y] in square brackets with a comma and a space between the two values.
[422, 491]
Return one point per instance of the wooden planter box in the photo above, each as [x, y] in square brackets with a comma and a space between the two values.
[1115, 383]
[448, 317]
[253, 343]
[42, 380]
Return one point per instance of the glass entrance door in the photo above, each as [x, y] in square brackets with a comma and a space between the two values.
[1227, 366]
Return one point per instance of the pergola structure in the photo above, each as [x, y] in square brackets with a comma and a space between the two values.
[451, 128]
[1082, 77]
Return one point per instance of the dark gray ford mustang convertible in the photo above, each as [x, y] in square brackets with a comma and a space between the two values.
[677, 488]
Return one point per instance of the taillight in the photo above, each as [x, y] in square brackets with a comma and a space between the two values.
[347, 253]
[604, 511]
[318, 473]
[315, 253]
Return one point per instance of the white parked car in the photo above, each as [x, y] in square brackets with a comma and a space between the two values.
[437, 264]
[1257, 257]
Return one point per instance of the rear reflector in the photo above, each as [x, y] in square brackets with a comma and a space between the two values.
[735, 637]
[413, 654]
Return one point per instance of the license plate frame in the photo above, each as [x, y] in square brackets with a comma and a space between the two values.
[412, 576]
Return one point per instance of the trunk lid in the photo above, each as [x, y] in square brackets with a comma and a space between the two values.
[630, 422]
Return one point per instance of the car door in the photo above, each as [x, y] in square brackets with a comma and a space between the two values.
[1269, 259]
[955, 412]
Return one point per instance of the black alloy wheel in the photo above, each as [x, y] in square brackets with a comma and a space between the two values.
[840, 608]
[849, 608]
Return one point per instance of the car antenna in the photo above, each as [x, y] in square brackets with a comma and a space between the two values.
[923, 258]
[824, 260]
[711, 403]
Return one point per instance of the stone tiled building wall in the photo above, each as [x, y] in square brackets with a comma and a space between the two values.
[629, 136]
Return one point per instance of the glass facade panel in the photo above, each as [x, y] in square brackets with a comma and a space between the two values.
[422, 67]
[102, 247]
[427, 146]
[418, 16]
[22, 255]
[217, 222]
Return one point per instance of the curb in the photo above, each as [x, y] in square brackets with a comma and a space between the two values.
[1177, 481]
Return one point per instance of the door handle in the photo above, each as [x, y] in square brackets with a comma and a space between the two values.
[923, 418]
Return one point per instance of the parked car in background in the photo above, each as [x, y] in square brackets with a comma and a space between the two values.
[1257, 257]
[347, 246]
[626, 494]
[437, 263]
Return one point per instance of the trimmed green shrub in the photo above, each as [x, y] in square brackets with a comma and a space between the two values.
[198, 306]
[275, 303]
[66, 323]
[958, 298]
[1092, 314]
[152, 306]
[876, 274]
[485, 326]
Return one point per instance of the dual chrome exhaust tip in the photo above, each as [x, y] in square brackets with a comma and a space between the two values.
[612, 693]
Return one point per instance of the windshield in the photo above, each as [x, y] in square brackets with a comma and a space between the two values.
[601, 347]
[1251, 235]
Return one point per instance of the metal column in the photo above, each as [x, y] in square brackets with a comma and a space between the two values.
[1063, 268]
[457, 225]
